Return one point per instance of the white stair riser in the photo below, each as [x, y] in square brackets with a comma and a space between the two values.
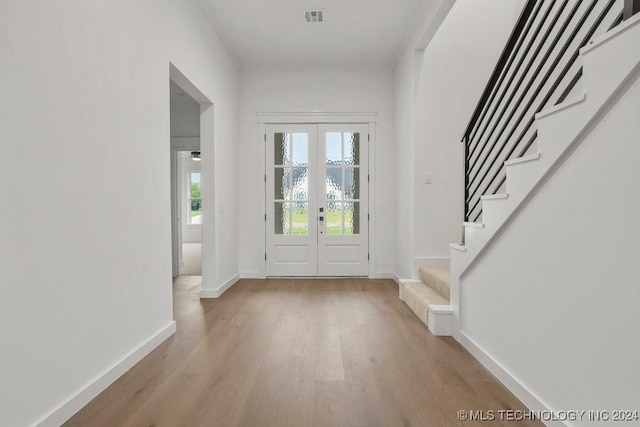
[522, 177]
[496, 211]
[609, 62]
[475, 238]
[558, 130]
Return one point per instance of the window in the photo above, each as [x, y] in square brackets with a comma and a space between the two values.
[194, 200]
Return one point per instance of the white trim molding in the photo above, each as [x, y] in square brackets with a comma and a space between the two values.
[513, 384]
[216, 293]
[99, 384]
[385, 275]
[441, 320]
[252, 275]
[372, 179]
[398, 281]
[317, 117]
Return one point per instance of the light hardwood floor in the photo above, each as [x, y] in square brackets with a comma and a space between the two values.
[299, 353]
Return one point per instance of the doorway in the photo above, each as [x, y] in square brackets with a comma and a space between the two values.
[190, 217]
[195, 133]
[186, 181]
[317, 200]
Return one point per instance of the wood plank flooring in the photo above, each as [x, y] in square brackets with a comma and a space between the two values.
[299, 353]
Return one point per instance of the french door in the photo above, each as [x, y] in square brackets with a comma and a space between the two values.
[317, 200]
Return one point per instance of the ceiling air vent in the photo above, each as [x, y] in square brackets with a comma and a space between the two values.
[314, 16]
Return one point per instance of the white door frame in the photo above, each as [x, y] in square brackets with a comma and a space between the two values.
[185, 192]
[317, 118]
[178, 144]
[208, 183]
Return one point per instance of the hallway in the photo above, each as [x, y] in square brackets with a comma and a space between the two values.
[298, 353]
[191, 259]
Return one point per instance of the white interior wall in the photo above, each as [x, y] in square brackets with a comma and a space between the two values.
[560, 282]
[406, 77]
[185, 120]
[87, 280]
[404, 141]
[436, 91]
[305, 91]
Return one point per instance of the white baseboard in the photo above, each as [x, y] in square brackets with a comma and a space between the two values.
[251, 275]
[387, 275]
[257, 275]
[397, 279]
[383, 275]
[77, 402]
[520, 390]
[216, 293]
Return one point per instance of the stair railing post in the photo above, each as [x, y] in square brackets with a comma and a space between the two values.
[631, 7]
[465, 205]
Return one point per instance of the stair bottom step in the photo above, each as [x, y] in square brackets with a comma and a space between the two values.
[419, 296]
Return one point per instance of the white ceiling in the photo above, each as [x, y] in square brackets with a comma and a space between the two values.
[355, 34]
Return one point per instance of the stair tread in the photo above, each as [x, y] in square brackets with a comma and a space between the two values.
[437, 278]
[495, 196]
[458, 247]
[474, 224]
[523, 159]
[562, 106]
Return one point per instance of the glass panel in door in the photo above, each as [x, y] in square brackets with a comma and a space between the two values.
[291, 183]
[342, 178]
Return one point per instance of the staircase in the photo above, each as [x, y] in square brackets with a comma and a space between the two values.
[428, 298]
[608, 66]
[611, 65]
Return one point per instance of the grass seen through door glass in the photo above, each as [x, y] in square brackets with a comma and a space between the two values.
[333, 222]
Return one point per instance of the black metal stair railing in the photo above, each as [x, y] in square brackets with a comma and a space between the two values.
[538, 68]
